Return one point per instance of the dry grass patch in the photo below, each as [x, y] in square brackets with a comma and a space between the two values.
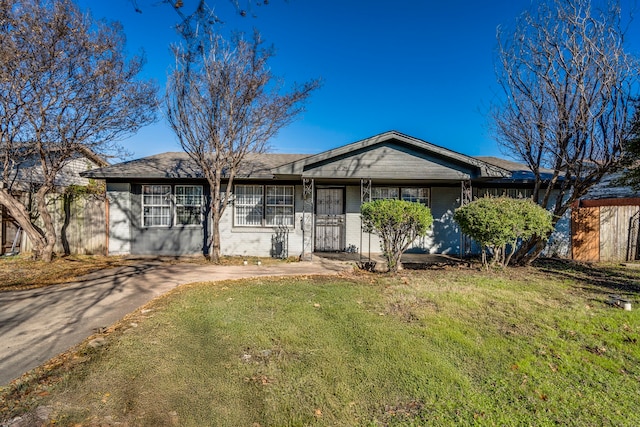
[21, 272]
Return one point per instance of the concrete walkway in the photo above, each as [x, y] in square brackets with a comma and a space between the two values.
[38, 324]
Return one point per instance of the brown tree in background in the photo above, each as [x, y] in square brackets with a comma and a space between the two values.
[223, 103]
[568, 88]
[66, 89]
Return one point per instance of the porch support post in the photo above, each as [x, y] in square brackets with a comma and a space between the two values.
[365, 196]
[307, 218]
[466, 196]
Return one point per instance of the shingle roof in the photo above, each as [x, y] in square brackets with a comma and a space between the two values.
[519, 171]
[180, 165]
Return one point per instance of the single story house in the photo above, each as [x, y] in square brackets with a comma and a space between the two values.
[291, 204]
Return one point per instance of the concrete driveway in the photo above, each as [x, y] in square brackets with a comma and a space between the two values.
[38, 324]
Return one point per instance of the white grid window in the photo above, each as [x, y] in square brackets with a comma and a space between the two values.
[379, 193]
[188, 204]
[418, 195]
[249, 203]
[279, 205]
[156, 205]
[410, 194]
[516, 193]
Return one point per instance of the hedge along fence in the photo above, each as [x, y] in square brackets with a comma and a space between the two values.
[498, 224]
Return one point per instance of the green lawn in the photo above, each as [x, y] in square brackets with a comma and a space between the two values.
[536, 346]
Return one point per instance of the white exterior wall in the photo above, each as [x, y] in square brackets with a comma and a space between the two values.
[257, 241]
[119, 199]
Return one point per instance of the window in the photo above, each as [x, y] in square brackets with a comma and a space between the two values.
[419, 195]
[254, 209]
[516, 193]
[188, 204]
[248, 204]
[410, 194]
[279, 207]
[156, 205]
[378, 193]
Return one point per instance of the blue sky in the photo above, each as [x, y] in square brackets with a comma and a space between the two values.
[421, 67]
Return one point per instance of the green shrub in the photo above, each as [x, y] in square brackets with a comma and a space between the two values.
[398, 223]
[498, 224]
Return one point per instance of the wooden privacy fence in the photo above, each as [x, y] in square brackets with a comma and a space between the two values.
[605, 230]
[81, 225]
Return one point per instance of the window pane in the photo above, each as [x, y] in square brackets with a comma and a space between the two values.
[378, 193]
[279, 205]
[418, 195]
[248, 205]
[188, 204]
[156, 205]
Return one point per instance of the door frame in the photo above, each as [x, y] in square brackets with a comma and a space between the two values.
[341, 220]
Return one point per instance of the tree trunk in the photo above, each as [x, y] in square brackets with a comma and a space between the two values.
[21, 216]
[48, 229]
[215, 234]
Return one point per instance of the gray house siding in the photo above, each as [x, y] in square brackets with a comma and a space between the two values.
[166, 240]
[446, 234]
[388, 161]
[119, 199]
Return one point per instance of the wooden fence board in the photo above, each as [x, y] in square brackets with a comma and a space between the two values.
[615, 228]
[585, 234]
[80, 225]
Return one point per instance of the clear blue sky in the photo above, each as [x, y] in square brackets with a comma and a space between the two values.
[421, 67]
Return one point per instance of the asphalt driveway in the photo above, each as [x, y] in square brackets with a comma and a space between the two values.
[38, 324]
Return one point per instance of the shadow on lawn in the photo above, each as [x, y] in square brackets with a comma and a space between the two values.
[605, 279]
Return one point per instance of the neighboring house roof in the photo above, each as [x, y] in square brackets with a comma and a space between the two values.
[519, 171]
[180, 165]
[607, 188]
[29, 173]
[392, 155]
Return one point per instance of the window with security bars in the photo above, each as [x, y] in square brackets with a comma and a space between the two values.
[248, 205]
[258, 205]
[188, 204]
[156, 205]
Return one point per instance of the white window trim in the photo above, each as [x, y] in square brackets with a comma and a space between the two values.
[399, 191]
[263, 220]
[143, 205]
[292, 205]
[173, 214]
[176, 204]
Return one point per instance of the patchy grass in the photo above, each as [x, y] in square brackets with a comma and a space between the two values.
[534, 346]
[21, 272]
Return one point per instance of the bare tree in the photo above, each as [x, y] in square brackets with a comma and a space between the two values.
[568, 86]
[66, 89]
[224, 104]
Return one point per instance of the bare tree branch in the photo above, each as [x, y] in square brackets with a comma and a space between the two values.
[66, 89]
[568, 86]
[226, 105]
